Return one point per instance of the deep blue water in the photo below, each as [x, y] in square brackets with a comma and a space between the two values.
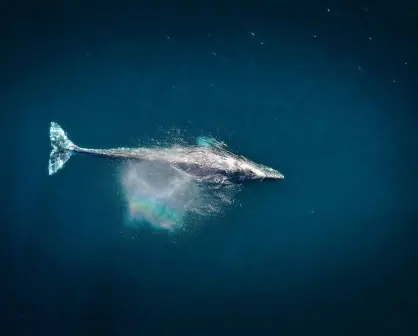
[326, 97]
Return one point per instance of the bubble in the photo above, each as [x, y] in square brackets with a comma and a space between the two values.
[165, 198]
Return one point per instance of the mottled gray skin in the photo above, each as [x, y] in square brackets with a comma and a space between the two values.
[212, 163]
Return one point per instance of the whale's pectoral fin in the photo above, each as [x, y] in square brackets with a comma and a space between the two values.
[210, 142]
[179, 170]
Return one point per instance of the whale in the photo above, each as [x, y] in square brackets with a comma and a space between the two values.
[209, 160]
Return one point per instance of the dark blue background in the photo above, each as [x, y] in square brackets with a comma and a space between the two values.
[331, 250]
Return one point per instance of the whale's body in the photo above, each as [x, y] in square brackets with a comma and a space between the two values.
[208, 161]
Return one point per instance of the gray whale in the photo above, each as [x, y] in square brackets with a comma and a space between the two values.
[208, 160]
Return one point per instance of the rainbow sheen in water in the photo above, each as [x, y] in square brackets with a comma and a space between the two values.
[154, 212]
[158, 195]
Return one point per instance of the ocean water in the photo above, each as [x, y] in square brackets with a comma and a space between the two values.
[325, 93]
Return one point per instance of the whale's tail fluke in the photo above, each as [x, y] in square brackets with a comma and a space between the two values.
[62, 148]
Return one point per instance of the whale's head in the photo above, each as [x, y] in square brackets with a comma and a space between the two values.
[271, 173]
[254, 171]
